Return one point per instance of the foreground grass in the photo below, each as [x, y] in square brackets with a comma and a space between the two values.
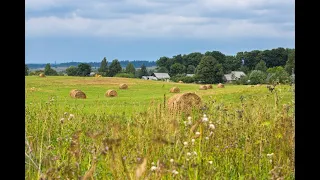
[106, 138]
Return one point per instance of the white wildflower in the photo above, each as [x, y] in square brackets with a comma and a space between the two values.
[197, 133]
[204, 115]
[152, 163]
[193, 140]
[171, 160]
[61, 120]
[188, 154]
[185, 143]
[210, 162]
[211, 126]
[204, 119]
[175, 172]
[207, 138]
[195, 153]
[270, 155]
[153, 168]
[189, 122]
[189, 118]
[210, 133]
[187, 159]
[71, 116]
[185, 123]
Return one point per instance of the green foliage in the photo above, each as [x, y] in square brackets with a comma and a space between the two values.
[162, 70]
[176, 68]
[130, 69]
[103, 70]
[242, 80]
[48, 71]
[220, 57]
[257, 77]
[231, 64]
[72, 71]
[261, 66]
[84, 69]
[125, 75]
[143, 71]
[185, 79]
[290, 64]
[26, 72]
[278, 75]
[114, 68]
[244, 69]
[191, 69]
[209, 70]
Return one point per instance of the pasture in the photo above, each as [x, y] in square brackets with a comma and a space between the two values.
[248, 133]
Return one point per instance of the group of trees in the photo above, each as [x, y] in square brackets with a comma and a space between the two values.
[212, 65]
[273, 65]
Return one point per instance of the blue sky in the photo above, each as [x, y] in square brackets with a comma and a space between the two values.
[87, 31]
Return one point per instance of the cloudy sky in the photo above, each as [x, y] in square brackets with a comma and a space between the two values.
[88, 30]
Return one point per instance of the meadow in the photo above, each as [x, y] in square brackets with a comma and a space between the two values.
[242, 132]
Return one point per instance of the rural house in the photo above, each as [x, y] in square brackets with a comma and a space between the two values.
[161, 76]
[234, 75]
[149, 78]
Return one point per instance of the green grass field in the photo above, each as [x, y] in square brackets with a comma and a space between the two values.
[123, 137]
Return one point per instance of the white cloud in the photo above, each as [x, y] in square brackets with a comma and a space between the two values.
[163, 18]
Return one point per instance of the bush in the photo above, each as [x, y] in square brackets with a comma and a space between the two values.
[242, 80]
[125, 75]
[278, 75]
[257, 77]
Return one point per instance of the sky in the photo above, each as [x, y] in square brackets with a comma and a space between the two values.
[88, 30]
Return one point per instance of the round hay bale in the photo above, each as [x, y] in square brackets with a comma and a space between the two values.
[42, 75]
[174, 90]
[209, 86]
[180, 81]
[220, 85]
[184, 102]
[99, 75]
[76, 93]
[203, 87]
[111, 93]
[123, 86]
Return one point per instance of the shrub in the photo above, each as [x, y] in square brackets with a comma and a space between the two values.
[257, 77]
[125, 75]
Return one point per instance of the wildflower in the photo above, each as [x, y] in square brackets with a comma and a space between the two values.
[195, 153]
[65, 113]
[61, 120]
[152, 163]
[204, 115]
[189, 122]
[211, 126]
[187, 159]
[175, 172]
[171, 160]
[193, 140]
[185, 143]
[197, 133]
[204, 119]
[210, 133]
[189, 118]
[188, 154]
[185, 123]
[71, 116]
[207, 138]
[153, 168]
[210, 162]
[270, 155]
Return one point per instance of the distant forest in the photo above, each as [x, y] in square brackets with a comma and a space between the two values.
[136, 63]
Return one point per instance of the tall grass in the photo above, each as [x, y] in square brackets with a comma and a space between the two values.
[249, 140]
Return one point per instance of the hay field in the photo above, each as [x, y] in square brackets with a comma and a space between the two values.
[243, 132]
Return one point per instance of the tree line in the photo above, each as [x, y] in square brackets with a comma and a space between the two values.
[260, 66]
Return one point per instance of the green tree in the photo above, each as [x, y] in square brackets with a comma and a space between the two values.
[143, 71]
[26, 72]
[231, 64]
[290, 64]
[209, 70]
[177, 68]
[162, 70]
[103, 67]
[257, 77]
[114, 68]
[191, 69]
[220, 57]
[72, 71]
[261, 66]
[130, 69]
[84, 69]
[277, 75]
[49, 71]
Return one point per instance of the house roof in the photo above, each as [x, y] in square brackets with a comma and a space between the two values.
[190, 75]
[161, 75]
[149, 77]
[234, 75]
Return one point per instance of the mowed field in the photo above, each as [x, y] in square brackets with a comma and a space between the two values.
[133, 135]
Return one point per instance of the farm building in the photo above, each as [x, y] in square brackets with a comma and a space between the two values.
[190, 75]
[92, 73]
[149, 78]
[161, 76]
[234, 75]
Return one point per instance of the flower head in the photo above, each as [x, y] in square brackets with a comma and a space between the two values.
[171, 160]
[185, 143]
[153, 168]
[211, 126]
